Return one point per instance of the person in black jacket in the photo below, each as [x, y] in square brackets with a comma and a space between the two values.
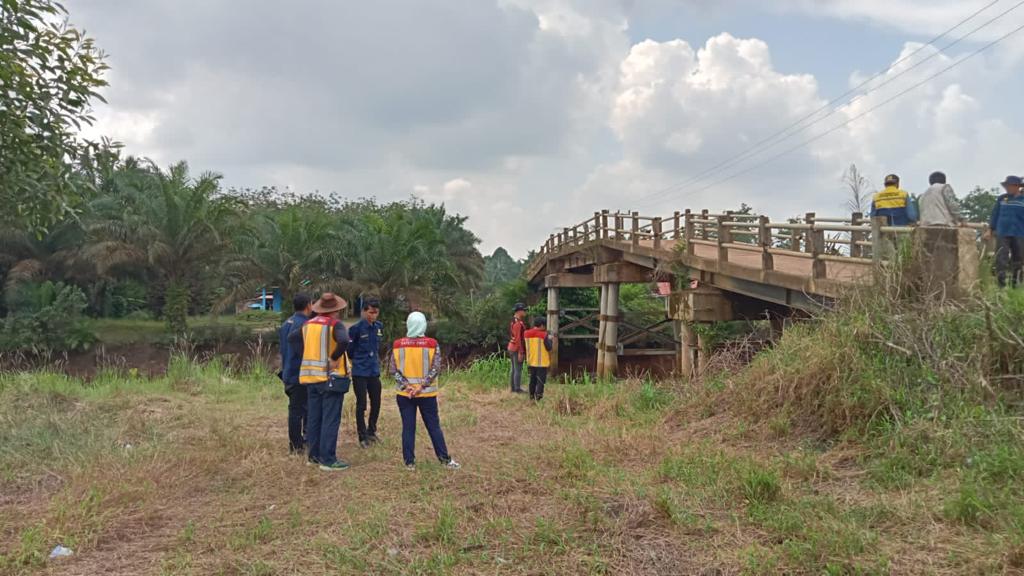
[291, 360]
[364, 351]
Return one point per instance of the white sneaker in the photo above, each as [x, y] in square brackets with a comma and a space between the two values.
[453, 465]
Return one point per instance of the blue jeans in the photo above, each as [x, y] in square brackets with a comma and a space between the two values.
[322, 421]
[428, 410]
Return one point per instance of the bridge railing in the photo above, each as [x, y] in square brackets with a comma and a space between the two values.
[856, 239]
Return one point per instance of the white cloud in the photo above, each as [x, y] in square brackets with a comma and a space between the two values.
[527, 115]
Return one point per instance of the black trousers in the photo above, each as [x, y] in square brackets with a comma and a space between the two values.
[298, 396]
[367, 386]
[1009, 259]
[538, 377]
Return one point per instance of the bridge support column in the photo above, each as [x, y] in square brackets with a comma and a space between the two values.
[703, 355]
[609, 365]
[688, 342]
[553, 326]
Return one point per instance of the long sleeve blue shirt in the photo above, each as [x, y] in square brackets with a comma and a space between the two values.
[1008, 216]
[364, 348]
[291, 356]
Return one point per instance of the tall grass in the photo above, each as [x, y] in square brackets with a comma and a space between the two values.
[933, 389]
[488, 373]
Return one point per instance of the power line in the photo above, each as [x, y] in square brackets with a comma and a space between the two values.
[859, 116]
[787, 132]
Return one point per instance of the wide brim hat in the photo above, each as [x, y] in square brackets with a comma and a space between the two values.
[328, 303]
[1013, 181]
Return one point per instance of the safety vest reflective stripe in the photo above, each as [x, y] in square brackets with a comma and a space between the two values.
[890, 199]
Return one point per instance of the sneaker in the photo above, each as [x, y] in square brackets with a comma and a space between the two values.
[410, 466]
[312, 462]
[452, 465]
[364, 443]
[373, 438]
[339, 465]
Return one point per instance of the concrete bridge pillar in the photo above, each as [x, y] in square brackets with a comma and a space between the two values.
[687, 349]
[608, 360]
[553, 326]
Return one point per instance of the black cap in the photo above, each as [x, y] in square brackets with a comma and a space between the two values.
[519, 306]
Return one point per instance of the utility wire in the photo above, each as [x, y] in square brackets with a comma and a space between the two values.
[859, 116]
[787, 132]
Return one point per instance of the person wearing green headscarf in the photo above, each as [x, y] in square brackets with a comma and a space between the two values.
[415, 364]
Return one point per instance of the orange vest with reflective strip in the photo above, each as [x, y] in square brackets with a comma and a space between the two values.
[413, 358]
[318, 345]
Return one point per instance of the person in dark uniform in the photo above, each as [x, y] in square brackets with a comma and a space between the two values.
[364, 351]
[291, 360]
[1007, 223]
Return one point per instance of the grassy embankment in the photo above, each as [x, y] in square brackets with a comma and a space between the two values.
[885, 438]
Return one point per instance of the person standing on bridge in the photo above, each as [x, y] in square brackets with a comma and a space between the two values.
[517, 346]
[938, 204]
[894, 204]
[896, 208]
[1007, 223]
[538, 356]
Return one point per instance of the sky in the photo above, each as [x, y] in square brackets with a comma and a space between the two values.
[530, 115]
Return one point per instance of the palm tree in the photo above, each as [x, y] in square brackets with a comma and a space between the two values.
[177, 226]
[411, 252]
[292, 247]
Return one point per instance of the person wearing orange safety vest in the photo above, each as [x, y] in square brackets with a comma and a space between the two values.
[538, 356]
[325, 372]
[415, 363]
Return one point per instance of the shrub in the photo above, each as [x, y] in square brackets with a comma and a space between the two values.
[46, 318]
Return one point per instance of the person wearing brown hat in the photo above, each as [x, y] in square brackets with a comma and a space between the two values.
[325, 372]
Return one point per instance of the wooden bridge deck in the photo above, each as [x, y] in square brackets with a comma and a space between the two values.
[799, 263]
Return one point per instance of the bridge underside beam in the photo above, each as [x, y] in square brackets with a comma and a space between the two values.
[568, 280]
[622, 273]
[779, 295]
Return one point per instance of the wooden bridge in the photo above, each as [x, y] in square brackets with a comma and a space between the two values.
[725, 267]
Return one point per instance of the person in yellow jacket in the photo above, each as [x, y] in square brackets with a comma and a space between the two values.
[538, 356]
[415, 364]
[325, 372]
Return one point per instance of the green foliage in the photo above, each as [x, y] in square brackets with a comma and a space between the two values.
[176, 227]
[45, 318]
[490, 372]
[50, 73]
[483, 323]
[500, 269]
[977, 206]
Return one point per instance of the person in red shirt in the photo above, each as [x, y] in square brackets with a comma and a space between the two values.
[517, 346]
